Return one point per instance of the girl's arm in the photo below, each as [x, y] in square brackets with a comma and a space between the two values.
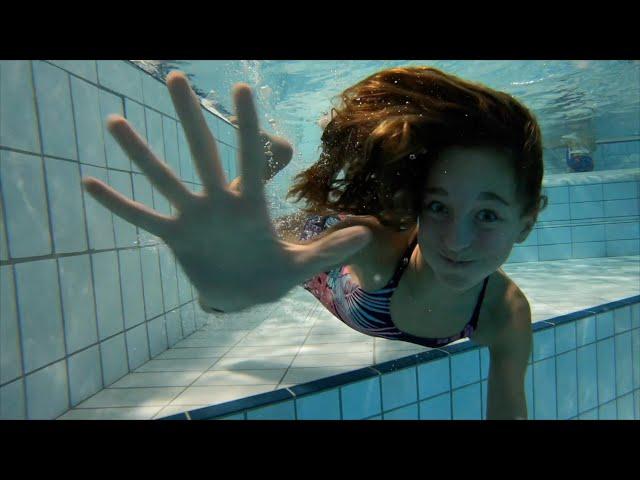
[509, 354]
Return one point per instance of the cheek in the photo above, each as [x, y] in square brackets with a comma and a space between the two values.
[496, 243]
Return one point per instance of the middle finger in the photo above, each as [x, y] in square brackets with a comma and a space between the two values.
[201, 141]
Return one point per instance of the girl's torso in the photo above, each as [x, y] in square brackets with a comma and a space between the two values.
[425, 316]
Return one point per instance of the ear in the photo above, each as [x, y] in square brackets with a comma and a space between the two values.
[528, 223]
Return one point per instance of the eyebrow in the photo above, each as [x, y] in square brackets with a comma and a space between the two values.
[482, 196]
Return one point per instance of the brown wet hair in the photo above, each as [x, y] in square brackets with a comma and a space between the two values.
[387, 130]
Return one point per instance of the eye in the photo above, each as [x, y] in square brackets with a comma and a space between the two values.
[489, 215]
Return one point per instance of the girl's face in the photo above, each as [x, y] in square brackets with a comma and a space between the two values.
[470, 216]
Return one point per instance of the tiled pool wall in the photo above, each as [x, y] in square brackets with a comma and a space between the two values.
[588, 215]
[85, 296]
[585, 365]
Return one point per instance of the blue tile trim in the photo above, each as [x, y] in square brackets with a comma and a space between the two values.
[238, 406]
[177, 416]
[334, 381]
[541, 325]
[605, 307]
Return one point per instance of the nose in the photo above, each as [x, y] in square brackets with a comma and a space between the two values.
[457, 237]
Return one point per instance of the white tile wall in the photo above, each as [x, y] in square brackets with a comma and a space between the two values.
[54, 110]
[66, 103]
[121, 77]
[113, 353]
[484, 363]
[174, 327]
[591, 415]
[619, 190]
[88, 123]
[433, 378]
[625, 407]
[399, 388]
[623, 363]
[157, 336]
[25, 204]
[132, 295]
[410, 412]
[361, 399]
[137, 346]
[436, 408]
[157, 96]
[134, 113]
[606, 370]
[588, 233]
[617, 248]
[586, 330]
[589, 250]
[635, 347]
[107, 289]
[467, 403]
[184, 286]
[565, 337]
[604, 325]
[47, 392]
[278, 411]
[621, 208]
[10, 351]
[319, 406]
[18, 122]
[544, 386]
[556, 195]
[40, 313]
[169, 277]
[585, 210]
[4, 245]
[555, 212]
[83, 68]
[99, 219]
[567, 386]
[12, 401]
[543, 344]
[65, 203]
[528, 390]
[76, 287]
[523, 254]
[465, 368]
[554, 252]
[585, 193]
[85, 374]
[187, 316]
[112, 104]
[622, 319]
[607, 411]
[552, 235]
[587, 378]
[151, 285]
[125, 232]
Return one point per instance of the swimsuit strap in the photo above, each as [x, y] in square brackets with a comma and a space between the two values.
[403, 263]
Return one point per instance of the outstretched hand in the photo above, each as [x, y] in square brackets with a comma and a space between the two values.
[224, 240]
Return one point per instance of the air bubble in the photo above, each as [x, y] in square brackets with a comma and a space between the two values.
[412, 156]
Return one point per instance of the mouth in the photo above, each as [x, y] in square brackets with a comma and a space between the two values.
[455, 263]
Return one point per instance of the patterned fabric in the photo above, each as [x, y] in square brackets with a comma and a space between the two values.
[368, 312]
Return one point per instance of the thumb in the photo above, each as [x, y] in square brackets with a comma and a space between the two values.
[334, 249]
